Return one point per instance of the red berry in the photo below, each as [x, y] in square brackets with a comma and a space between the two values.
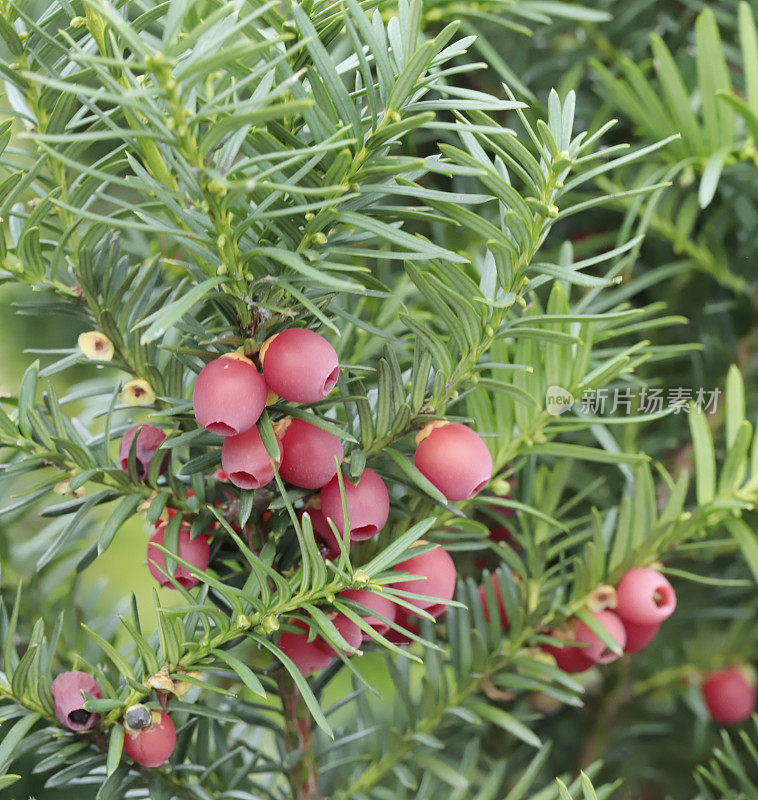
[569, 658]
[729, 696]
[299, 365]
[498, 600]
[194, 551]
[68, 689]
[407, 621]
[638, 636]
[368, 505]
[437, 581]
[321, 528]
[645, 596]
[306, 656]
[229, 396]
[502, 534]
[348, 630]
[311, 656]
[596, 649]
[153, 745]
[454, 458]
[149, 439]
[310, 455]
[246, 461]
[374, 602]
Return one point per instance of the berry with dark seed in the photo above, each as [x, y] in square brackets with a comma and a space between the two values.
[68, 696]
[153, 744]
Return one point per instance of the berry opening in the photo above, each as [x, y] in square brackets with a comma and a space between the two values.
[243, 479]
[221, 428]
[663, 596]
[365, 531]
[479, 486]
[79, 716]
[331, 381]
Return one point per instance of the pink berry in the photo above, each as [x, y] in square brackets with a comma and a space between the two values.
[638, 636]
[246, 461]
[149, 439]
[374, 602]
[194, 551]
[502, 534]
[407, 621]
[498, 600]
[348, 630]
[306, 656]
[368, 505]
[645, 596]
[229, 396]
[68, 695]
[437, 581]
[310, 455]
[311, 656]
[729, 696]
[454, 458]
[596, 649]
[569, 658]
[321, 528]
[153, 745]
[299, 365]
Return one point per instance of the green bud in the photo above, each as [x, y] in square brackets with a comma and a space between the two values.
[360, 578]
[269, 624]
[217, 188]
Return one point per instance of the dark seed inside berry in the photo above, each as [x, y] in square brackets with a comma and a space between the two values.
[137, 717]
[79, 716]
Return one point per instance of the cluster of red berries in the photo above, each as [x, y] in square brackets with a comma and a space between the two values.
[300, 366]
[433, 583]
[644, 599]
[150, 736]
[230, 395]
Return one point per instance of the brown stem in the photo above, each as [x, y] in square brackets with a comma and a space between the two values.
[303, 775]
